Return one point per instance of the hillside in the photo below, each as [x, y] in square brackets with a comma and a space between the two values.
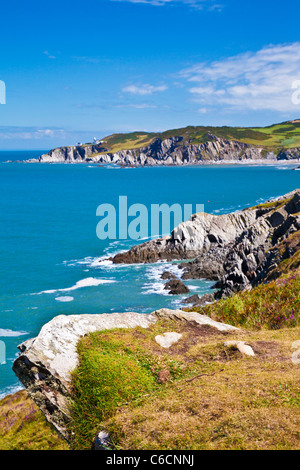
[187, 146]
[283, 135]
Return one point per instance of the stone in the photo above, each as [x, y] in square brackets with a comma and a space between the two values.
[176, 286]
[168, 275]
[193, 299]
[166, 340]
[193, 317]
[102, 441]
[240, 346]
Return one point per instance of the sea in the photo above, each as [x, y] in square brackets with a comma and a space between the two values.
[52, 261]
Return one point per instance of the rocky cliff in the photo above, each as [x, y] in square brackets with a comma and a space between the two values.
[170, 151]
[237, 250]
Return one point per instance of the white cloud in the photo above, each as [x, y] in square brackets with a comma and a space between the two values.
[144, 89]
[259, 80]
[137, 106]
[198, 4]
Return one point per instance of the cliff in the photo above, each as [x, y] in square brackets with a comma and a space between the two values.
[187, 146]
[103, 374]
[238, 250]
[46, 363]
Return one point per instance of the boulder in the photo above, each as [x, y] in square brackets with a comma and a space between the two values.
[166, 340]
[176, 286]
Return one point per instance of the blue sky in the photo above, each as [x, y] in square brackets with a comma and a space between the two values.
[77, 70]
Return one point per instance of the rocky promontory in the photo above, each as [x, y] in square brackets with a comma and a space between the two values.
[237, 250]
[187, 146]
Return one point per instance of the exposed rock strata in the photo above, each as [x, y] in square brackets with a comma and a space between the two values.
[47, 361]
[169, 152]
[237, 250]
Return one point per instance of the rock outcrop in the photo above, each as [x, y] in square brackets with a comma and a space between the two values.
[237, 250]
[171, 151]
[46, 362]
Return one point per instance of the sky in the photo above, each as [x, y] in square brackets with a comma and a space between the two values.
[72, 70]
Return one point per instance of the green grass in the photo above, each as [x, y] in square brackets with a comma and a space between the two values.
[109, 374]
[270, 306]
[275, 137]
[23, 426]
[213, 398]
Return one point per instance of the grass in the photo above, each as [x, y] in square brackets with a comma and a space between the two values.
[210, 396]
[23, 426]
[199, 394]
[271, 138]
[270, 306]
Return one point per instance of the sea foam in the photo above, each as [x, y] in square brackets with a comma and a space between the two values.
[88, 282]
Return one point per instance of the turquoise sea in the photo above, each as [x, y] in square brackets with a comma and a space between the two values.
[51, 261]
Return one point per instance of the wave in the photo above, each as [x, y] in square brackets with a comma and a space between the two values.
[154, 272]
[88, 282]
[10, 390]
[7, 332]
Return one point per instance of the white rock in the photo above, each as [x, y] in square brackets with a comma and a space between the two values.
[193, 317]
[240, 346]
[167, 339]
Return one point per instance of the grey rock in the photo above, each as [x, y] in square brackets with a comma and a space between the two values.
[169, 151]
[176, 286]
[102, 441]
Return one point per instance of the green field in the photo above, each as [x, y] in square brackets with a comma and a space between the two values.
[277, 136]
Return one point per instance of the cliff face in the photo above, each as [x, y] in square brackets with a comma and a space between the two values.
[237, 250]
[169, 151]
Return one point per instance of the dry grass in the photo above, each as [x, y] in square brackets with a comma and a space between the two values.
[238, 402]
[23, 426]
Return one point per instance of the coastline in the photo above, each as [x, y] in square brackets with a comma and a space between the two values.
[261, 162]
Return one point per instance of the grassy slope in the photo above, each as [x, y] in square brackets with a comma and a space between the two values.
[237, 402]
[23, 426]
[284, 135]
[210, 396]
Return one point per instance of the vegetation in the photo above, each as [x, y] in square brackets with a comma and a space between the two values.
[196, 395]
[144, 393]
[23, 426]
[273, 138]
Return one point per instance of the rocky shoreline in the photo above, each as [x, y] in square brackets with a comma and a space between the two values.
[237, 250]
[172, 151]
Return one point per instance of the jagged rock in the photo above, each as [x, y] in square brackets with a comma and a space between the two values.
[170, 151]
[236, 250]
[168, 275]
[166, 340]
[199, 301]
[176, 286]
[193, 299]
